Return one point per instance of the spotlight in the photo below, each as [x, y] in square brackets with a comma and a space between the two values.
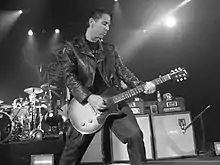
[57, 31]
[30, 33]
[20, 11]
[116, 0]
[144, 30]
[169, 21]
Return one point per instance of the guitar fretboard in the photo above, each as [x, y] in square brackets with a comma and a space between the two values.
[137, 90]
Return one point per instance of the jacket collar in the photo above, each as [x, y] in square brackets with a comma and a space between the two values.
[84, 48]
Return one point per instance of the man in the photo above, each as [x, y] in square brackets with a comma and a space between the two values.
[90, 67]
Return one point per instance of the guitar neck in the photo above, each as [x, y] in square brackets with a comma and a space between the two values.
[137, 90]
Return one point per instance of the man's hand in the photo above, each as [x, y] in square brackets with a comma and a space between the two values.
[149, 88]
[97, 102]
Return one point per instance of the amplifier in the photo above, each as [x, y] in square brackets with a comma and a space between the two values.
[94, 152]
[150, 107]
[119, 150]
[137, 106]
[170, 140]
[175, 105]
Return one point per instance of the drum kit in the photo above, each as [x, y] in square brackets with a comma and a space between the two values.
[22, 120]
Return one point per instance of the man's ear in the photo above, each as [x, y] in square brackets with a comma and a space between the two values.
[91, 22]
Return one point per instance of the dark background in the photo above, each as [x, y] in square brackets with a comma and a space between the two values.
[193, 44]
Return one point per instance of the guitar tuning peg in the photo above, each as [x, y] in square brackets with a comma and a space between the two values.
[178, 80]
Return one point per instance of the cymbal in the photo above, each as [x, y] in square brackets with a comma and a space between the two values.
[6, 106]
[32, 90]
[1, 101]
[46, 86]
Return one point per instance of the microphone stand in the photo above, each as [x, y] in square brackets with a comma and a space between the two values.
[202, 128]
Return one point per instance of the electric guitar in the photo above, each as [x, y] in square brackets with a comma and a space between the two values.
[86, 120]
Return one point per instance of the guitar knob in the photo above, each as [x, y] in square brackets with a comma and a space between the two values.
[90, 121]
[83, 124]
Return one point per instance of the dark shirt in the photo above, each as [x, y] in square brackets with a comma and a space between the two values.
[99, 85]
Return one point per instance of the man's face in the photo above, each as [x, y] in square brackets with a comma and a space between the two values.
[100, 27]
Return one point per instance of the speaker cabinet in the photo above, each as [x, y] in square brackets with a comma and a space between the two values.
[93, 153]
[169, 138]
[119, 150]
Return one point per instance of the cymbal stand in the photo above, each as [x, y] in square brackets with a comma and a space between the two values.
[50, 97]
[40, 122]
[32, 98]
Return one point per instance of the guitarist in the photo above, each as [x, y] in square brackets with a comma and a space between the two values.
[90, 67]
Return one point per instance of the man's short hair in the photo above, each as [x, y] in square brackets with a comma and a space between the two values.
[97, 14]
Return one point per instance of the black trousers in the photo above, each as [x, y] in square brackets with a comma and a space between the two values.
[126, 130]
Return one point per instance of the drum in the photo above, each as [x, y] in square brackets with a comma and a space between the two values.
[20, 107]
[5, 126]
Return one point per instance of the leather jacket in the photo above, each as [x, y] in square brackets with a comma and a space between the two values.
[79, 65]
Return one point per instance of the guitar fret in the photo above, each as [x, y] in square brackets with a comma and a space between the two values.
[161, 80]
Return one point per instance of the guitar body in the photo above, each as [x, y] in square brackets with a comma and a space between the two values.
[83, 117]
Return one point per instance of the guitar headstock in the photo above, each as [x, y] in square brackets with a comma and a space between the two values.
[179, 74]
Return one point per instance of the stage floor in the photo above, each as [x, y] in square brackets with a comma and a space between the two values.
[184, 161]
[211, 160]
[19, 153]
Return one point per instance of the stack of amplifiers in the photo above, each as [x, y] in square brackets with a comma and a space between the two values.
[163, 138]
[170, 140]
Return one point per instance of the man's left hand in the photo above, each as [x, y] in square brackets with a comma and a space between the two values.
[149, 88]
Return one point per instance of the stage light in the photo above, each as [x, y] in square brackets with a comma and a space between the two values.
[57, 31]
[30, 33]
[116, 0]
[169, 21]
[20, 11]
[44, 159]
[217, 148]
[144, 30]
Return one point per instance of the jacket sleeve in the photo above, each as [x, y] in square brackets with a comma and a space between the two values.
[69, 64]
[124, 73]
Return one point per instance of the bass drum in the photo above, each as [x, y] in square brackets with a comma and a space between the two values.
[5, 127]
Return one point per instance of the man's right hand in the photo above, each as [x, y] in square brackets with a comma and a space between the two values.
[97, 102]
